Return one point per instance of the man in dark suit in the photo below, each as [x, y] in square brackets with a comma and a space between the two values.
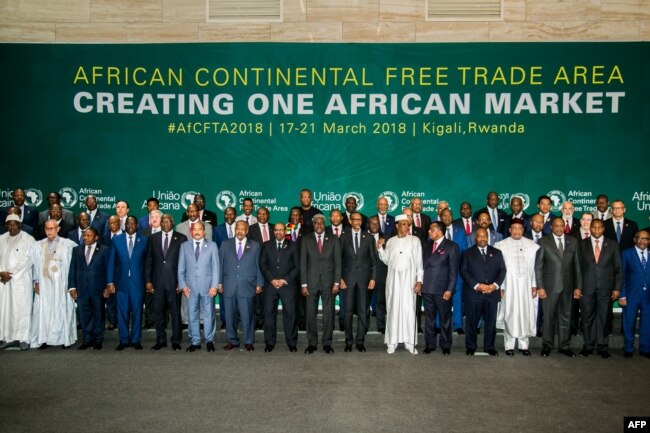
[241, 279]
[226, 230]
[87, 285]
[296, 230]
[126, 281]
[517, 212]
[381, 273]
[386, 222]
[440, 262]
[545, 205]
[497, 216]
[419, 220]
[161, 281]
[280, 264]
[619, 228]
[358, 259]
[28, 214]
[418, 232]
[307, 211]
[634, 295]
[260, 232]
[56, 213]
[559, 279]
[466, 222]
[603, 212]
[337, 229]
[152, 204]
[55, 198]
[204, 215]
[350, 208]
[112, 230]
[571, 224]
[484, 221]
[153, 227]
[483, 270]
[601, 283]
[198, 278]
[77, 234]
[320, 274]
[98, 219]
[458, 236]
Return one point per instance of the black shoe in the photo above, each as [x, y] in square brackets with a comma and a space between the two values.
[269, 348]
[310, 349]
[223, 325]
[328, 349]
[428, 350]
[348, 347]
[539, 334]
[249, 347]
[137, 346]
[341, 326]
[459, 331]
[158, 346]
[436, 331]
[628, 355]
[85, 346]
[120, 347]
[586, 352]
[301, 326]
[382, 330]
[43, 346]
[64, 347]
[176, 347]
[97, 346]
[193, 347]
[230, 346]
[493, 352]
[210, 346]
[604, 354]
[293, 349]
[510, 352]
[361, 348]
[546, 352]
[469, 352]
[524, 352]
[645, 354]
[567, 352]
[420, 330]
[446, 352]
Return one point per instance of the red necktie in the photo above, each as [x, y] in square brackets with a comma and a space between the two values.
[567, 228]
[596, 251]
[468, 230]
[320, 244]
[417, 220]
[265, 235]
[435, 247]
[336, 232]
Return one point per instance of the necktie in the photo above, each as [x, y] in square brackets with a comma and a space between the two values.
[536, 238]
[279, 246]
[265, 234]
[483, 254]
[356, 242]
[417, 220]
[448, 234]
[567, 227]
[130, 246]
[247, 219]
[495, 220]
[229, 231]
[336, 232]
[197, 250]
[586, 235]
[468, 230]
[91, 215]
[383, 224]
[88, 250]
[596, 250]
[293, 235]
[602, 216]
[435, 247]
[644, 262]
[191, 228]
[240, 252]
[560, 246]
[320, 244]
[618, 231]
[165, 244]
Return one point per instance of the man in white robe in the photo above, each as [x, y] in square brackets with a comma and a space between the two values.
[16, 272]
[53, 316]
[403, 256]
[518, 290]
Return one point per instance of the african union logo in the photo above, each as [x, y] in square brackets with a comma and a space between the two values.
[525, 199]
[226, 199]
[393, 200]
[34, 197]
[357, 195]
[188, 198]
[68, 197]
[557, 198]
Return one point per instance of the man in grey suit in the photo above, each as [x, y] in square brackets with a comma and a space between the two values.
[241, 279]
[603, 212]
[601, 282]
[559, 280]
[358, 259]
[198, 277]
[320, 273]
[192, 218]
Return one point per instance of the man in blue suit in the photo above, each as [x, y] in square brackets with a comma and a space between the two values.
[483, 270]
[440, 262]
[152, 204]
[77, 234]
[483, 221]
[241, 279]
[635, 298]
[87, 285]
[198, 278]
[386, 222]
[457, 235]
[223, 231]
[126, 281]
[98, 219]
[28, 214]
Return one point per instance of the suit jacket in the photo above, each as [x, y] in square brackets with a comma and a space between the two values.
[628, 230]
[184, 228]
[199, 275]
[23, 227]
[329, 230]
[501, 215]
[459, 238]
[418, 232]
[575, 227]
[240, 277]
[89, 279]
[99, 221]
[364, 221]
[475, 270]
[507, 221]
[604, 275]
[494, 238]
[381, 269]
[390, 224]
[440, 267]
[458, 223]
[634, 276]
[547, 225]
[73, 235]
[529, 235]
[255, 232]
[64, 229]
[555, 272]
[320, 270]
[127, 273]
[220, 234]
[159, 269]
[280, 265]
[143, 222]
[608, 214]
[360, 267]
[147, 232]
[30, 216]
[66, 215]
[425, 222]
[208, 216]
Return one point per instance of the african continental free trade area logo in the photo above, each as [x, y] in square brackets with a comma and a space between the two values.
[226, 199]
[357, 195]
[33, 197]
[188, 198]
[68, 197]
[557, 198]
[392, 198]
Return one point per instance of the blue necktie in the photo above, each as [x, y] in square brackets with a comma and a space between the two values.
[618, 231]
[644, 262]
[240, 252]
[197, 250]
[130, 246]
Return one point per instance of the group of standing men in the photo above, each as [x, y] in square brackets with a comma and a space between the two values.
[489, 267]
